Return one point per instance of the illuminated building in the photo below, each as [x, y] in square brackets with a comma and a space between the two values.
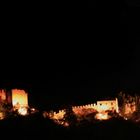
[19, 98]
[16, 97]
[5, 95]
[111, 105]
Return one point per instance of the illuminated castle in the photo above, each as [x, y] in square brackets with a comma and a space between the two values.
[101, 108]
[17, 98]
[5, 95]
[111, 105]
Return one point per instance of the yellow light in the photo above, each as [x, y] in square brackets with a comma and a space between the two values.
[2, 95]
[23, 111]
[102, 116]
[19, 98]
[1, 116]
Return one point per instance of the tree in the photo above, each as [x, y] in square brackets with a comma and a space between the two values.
[70, 116]
[5, 108]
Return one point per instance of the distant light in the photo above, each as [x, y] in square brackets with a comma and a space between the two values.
[1, 116]
[23, 111]
[66, 124]
[102, 116]
[125, 118]
[32, 109]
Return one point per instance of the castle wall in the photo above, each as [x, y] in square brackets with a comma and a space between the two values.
[2, 95]
[111, 105]
[101, 106]
[19, 98]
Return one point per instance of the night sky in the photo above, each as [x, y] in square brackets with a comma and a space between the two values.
[77, 56]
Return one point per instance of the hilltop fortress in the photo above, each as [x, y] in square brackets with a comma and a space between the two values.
[101, 107]
[18, 100]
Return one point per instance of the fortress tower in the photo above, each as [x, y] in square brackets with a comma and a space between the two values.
[111, 105]
[15, 97]
[19, 98]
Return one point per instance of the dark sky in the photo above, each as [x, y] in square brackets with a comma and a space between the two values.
[76, 55]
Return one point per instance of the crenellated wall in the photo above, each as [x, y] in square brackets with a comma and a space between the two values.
[55, 115]
[100, 107]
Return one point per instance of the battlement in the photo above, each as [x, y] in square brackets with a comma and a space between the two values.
[100, 107]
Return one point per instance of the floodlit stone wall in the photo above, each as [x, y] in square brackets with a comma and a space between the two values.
[2, 95]
[19, 98]
[111, 105]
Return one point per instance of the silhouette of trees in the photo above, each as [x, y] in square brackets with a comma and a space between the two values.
[126, 99]
[70, 116]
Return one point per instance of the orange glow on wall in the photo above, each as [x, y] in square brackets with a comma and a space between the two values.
[111, 105]
[19, 98]
[100, 109]
[129, 108]
[102, 116]
[1, 116]
[2, 95]
[58, 116]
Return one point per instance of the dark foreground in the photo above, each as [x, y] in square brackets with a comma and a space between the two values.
[36, 127]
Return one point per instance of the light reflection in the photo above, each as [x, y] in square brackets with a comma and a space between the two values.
[23, 111]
